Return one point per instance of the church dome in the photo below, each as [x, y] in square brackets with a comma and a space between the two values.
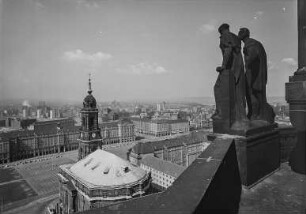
[102, 168]
[89, 102]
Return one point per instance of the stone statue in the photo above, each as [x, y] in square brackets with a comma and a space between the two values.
[256, 78]
[232, 65]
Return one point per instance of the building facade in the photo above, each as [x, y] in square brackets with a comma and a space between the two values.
[160, 127]
[182, 150]
[120, 131]
[167, 159]
[163, 173]
[47, 137]
[4, 150]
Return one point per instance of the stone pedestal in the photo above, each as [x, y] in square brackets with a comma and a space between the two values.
[258, 154]
[296, 97]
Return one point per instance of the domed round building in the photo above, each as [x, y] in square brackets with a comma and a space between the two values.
[100, 179]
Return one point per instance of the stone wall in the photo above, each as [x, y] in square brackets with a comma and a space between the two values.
[288, 138]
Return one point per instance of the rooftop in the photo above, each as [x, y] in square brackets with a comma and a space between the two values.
[52, 126]
[102, 168]
[26, 122]
[159, 121]
[150, 147]
[112, 124]
[282, 192]
[52, 120]
[16, 134]
[43, 128]
[164, 166]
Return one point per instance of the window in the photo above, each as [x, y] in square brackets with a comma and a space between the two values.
[104, 194]
[91, 121]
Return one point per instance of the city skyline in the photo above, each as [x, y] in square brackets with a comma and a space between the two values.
[134, 49]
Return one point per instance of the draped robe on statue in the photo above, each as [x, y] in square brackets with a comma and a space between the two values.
[230, 46]
[256, 80]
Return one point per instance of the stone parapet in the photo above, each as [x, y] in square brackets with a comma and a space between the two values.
[258, 156]
[296, 97]
[287, 139]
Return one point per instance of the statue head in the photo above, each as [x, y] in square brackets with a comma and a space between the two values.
[243, 33]
[224, 27]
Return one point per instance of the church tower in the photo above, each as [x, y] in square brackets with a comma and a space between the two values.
[90, 138]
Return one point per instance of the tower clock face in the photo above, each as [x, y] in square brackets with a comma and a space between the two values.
[93, 135]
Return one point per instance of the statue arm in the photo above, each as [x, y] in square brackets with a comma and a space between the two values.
[226, 55]
[226, 48]
[228, 45]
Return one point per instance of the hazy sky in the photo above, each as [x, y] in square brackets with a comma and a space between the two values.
[134, 49]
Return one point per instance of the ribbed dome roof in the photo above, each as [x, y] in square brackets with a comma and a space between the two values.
[102, 168]
[89, 101]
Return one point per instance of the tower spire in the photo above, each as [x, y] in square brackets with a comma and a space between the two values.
[89, 84]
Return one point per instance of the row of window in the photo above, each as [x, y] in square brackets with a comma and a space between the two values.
[115, 133]
[159, 177]
[107, 193]
[27, 145]
[4, 147]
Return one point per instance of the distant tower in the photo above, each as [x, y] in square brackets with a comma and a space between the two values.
[90, 138]
[38, 114]
[52, 114]
[164, 106]
[158, 107]
[25, 112]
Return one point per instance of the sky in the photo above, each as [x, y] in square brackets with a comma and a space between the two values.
[134, 49]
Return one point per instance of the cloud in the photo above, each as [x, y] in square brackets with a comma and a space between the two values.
[258, 14]
[271, 65]
[290, 61]
[207, 28]
[90, 61]
[90, 4]
[79, 55]
[144, 68]
[39, 4]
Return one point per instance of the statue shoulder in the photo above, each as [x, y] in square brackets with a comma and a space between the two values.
[227, 39]
[254, 45]
[251, 43]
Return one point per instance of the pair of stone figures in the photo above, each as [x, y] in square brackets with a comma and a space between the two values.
[247, 87]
